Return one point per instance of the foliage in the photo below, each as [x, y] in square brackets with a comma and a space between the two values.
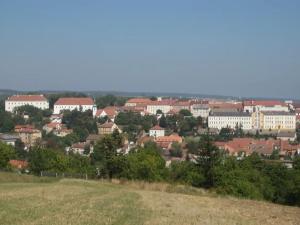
[82, 123]
[175, 150]
[186, 173]
[110, 100]
[6, 153]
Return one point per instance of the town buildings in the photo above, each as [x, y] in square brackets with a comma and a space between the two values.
[80, 104]
[38, 101]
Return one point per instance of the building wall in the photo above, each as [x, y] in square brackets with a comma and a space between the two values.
[156, 133]
[152, 109]
[220, 122]
[200, 111]
[259, 108]
[278, 122]
[11, 105]
[59, 108]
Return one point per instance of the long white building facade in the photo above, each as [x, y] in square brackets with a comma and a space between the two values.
[80, 104]
[221, 120]
[15, 101]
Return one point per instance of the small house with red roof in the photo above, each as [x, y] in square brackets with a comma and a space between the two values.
[157, 131]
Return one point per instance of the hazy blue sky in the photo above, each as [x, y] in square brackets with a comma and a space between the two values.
[241, 48]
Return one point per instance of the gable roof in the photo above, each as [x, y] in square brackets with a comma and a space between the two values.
[75, 101]
[27, 98]
[157, 127]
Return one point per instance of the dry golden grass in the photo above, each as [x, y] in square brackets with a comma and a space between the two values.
[90, 202]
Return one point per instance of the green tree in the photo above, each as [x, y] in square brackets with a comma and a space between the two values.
[6, 153]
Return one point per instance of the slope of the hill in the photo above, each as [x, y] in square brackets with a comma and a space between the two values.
[90, 202]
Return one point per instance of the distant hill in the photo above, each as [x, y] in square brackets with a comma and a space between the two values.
[140, 94]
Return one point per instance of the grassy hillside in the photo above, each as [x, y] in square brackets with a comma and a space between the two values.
[29, 201]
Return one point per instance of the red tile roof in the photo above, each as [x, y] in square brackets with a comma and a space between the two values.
[139, 100]
[157, 127]
[74, 101]
[20, 164]
[226, 105]
[171, 138]
[111, 111]
[107, 125]
[264, 103]
[27, 98]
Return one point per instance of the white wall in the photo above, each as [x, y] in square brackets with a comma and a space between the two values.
[11, 105]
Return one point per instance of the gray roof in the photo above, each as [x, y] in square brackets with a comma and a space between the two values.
[286, 134]
[6, 137]
[231, 114]
[278, 113]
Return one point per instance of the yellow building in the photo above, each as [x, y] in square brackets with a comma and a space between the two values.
[276, 120]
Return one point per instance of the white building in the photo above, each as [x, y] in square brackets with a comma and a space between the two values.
[259, 105]
[221, 120]
[275, 120]
[200, 110]
[157, 131]
[81, 104]
[163, 105]
[38, 101]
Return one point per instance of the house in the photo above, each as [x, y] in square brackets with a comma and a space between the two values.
[200, 110]
[166, 141]
[165, 105]
[110, 111]
[56, 118]
[9, 139]
[18, 164]
[28, 134]
[287, 135]
[93, 138]
[221, 120]
[58, 129]
[157, 131]
[180, 105]
[107, 128]
[38, 101]
[78, 148]
[81, 104]
[49, 127]
[246, 146]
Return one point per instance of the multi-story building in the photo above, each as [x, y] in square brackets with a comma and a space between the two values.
[259, 105]
[164, 105]
[200, 110]
[231, 120]
[28, 134]
[81, 104]
[38, 101]
[277, 120]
